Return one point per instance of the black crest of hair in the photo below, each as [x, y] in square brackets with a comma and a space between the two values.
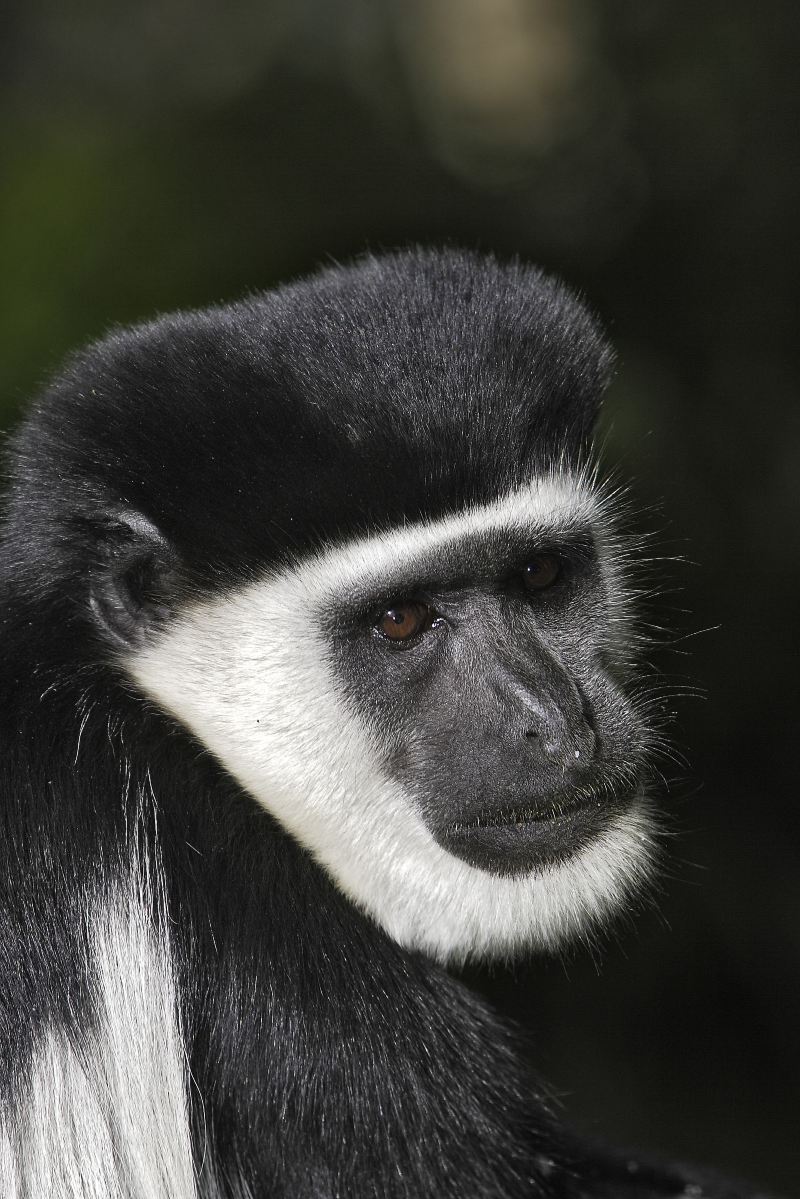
[325, 1060]
[406, 386]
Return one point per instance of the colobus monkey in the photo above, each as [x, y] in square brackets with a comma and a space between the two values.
[316, 654]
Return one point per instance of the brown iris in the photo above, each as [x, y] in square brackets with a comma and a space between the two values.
[404, 621]
[541, 571]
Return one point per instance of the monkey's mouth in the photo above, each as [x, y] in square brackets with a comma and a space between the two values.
[555, 808]
[519, 838]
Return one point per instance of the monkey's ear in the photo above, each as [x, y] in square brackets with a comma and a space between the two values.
[132, 580]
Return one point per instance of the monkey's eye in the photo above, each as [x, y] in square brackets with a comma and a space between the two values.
[540, 572]
[405, 621]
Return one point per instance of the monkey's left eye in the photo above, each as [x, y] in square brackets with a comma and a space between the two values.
[404, 621]
[540, 572]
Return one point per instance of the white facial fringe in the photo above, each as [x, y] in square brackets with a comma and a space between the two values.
[248, 674]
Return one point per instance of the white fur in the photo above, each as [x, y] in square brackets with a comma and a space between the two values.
[107, 1117]
[247, 673]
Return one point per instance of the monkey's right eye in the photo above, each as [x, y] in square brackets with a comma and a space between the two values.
[405, 621]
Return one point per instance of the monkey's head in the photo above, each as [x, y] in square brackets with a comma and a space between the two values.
[348, 535]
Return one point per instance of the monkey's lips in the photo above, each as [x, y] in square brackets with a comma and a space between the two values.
[520, 838]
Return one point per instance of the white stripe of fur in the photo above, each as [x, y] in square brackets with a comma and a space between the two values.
[248, 674]
[108, 1119]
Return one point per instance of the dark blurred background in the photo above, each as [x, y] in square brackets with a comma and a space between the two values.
[173, 153]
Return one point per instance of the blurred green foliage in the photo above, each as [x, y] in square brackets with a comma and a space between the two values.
[172, 154]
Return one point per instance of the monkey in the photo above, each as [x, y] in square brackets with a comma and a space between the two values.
[319, 640]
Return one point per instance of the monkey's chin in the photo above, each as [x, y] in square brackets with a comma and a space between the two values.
[522, 840]
[569, 876]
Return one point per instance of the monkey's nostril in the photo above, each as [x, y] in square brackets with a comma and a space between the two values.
[572, 749]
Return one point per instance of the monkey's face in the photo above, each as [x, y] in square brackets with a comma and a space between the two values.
[485, 679]
[435, 713]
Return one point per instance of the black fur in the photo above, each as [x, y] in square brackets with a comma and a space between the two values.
[403, 388]
[176, 457]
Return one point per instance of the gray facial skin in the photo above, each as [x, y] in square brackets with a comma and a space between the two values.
[500, 716]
